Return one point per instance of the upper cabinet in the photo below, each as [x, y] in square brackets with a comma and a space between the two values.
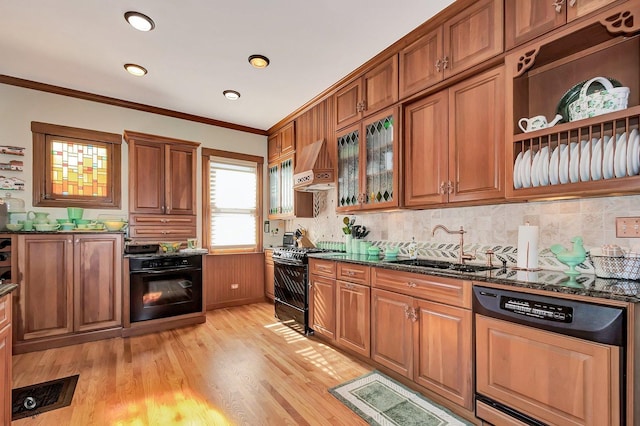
[162, 174]
[368, 163]
[376, 89]
[467, 39]
[597, 155]
[454, 140]
[282, 142]
[284, 202]
[528, 19]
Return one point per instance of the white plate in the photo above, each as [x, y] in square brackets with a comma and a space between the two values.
[526, 169]
[535, 171]
[553, 166]
[632, 162]
[543, 175]
[517, 181]
[635, 156]
[620, 165]
[564, 164]
[585, 159]
[574, 163]
[596, 160]
[607, 162]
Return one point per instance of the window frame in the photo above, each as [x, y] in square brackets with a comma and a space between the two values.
[206, 202]
[42, 196]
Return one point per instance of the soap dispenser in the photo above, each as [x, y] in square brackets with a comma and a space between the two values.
[413, 249]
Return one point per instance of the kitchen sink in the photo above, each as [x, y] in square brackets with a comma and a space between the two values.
[440, 264]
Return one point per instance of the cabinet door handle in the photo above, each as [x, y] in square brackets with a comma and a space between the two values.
[445, 63]
[414, 315]
[450, 187]
[443, 186]
[438, 65]
[558, 5]
[407, 311]
[572, 3]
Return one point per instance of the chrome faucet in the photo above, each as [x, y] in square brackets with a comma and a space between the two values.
[462, 256]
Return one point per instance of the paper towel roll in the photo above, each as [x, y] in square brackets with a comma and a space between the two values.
[527, 247]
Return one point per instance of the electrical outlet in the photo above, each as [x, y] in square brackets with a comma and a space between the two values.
[628, 227]
[234, 286]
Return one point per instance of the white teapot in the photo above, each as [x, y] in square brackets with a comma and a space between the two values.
[538, 122]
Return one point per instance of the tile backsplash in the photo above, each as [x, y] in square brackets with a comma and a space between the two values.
[487, 226]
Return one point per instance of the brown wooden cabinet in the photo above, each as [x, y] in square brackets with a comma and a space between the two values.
[454, 143]
[528, 19]
[322, 305]
[5, 358]
[392, 331]
[368, 163]
[353, 308]
[69, 284]
[282, 142]
[467, 39]
[268, 274]
[443, 356]
[421, 327]
[313, 125]
[553, 378]
[374, 90]
[540, 78]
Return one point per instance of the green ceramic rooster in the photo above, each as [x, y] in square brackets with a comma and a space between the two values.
[575, 256]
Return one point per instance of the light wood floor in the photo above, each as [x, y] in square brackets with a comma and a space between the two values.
[241, 367]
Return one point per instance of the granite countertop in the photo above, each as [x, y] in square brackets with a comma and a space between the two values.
[553, 281]
[7, 288]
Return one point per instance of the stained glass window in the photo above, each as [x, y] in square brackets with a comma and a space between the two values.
[79, 169]
[75, 167]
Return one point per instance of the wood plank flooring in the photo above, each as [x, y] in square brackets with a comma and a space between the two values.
[241, 367]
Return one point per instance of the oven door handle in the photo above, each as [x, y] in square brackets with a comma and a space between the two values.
[164, 271]
[287, 262]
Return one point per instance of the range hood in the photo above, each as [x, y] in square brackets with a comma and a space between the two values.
[314, 171]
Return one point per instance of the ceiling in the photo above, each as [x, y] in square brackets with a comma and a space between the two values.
[200, 48]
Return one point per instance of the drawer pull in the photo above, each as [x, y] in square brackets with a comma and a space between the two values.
[411, 284]
[349, 286]
[350, 273]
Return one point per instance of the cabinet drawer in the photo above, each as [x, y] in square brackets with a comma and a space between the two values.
[162, 232]
[325, 268]
[162, 219]
[438, 289]
[5, 310]
[354, 273]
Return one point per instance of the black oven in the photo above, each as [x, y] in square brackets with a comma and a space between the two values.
[164, 286]
[291, 293]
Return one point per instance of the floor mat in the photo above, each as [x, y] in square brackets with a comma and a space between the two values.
[35, 399]
[382, 401]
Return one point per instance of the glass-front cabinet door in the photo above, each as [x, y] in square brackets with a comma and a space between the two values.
[368, 166]
[281, 195]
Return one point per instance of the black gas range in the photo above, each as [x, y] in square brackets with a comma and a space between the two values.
[291, 284]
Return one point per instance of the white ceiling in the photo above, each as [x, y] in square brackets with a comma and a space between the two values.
[200, 48]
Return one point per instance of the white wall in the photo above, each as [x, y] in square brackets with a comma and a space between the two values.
[19, 107]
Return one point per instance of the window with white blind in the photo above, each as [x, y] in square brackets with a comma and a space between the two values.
[234, 203]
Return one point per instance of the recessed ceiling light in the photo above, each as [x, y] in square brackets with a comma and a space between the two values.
[232, 95]
[139, 21]
[259, 61]
[136, 70]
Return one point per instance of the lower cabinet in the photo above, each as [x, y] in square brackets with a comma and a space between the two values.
[322, 305]
[268, 274]
[353, 308]
[392, 331]
[69, 285]
[5, 359]
[427, 341]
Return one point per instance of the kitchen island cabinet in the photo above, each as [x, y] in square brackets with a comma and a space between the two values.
[70, 289]
[454, 150]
